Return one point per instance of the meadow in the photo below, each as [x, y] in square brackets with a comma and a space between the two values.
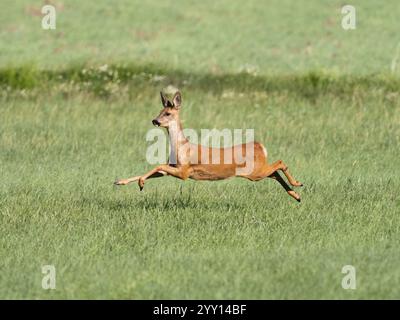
[76, 104]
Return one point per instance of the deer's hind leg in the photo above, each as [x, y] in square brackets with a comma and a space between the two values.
[271, 171]
[280, 165]
[290, 178]
[276, 176]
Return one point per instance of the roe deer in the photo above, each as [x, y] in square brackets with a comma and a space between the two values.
[190, 162]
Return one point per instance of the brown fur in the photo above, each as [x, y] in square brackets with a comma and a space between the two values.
[190, 163]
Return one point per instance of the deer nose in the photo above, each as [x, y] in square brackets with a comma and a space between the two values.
[156, 122]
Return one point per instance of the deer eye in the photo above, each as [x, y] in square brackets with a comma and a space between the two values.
[168, 114]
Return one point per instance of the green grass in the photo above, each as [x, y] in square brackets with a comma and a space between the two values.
[105, 80]
[278, 36]
[324, 100]
[229, 239]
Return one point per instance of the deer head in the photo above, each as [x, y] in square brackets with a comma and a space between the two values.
[170, 113]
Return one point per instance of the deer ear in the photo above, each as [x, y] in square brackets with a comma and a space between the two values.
[165, 102]
[163, 99]
[177, 100]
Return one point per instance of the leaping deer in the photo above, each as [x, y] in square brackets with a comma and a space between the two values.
[194, 160]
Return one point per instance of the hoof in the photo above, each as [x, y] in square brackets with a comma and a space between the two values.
[294, 195]
[120, 183]
[141, 184]
[297, 184]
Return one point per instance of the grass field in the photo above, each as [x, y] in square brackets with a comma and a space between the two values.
[274, 37]
[68, 129]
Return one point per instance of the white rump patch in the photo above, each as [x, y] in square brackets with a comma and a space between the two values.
[264, 150]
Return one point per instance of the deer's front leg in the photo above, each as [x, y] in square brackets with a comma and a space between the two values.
[180, 172]
[123, 182]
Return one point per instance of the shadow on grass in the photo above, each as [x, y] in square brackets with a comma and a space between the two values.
[97, 80]
[162, 203]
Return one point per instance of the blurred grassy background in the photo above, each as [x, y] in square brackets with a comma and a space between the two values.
[268, 37]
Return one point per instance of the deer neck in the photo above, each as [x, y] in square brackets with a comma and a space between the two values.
[177, 140]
